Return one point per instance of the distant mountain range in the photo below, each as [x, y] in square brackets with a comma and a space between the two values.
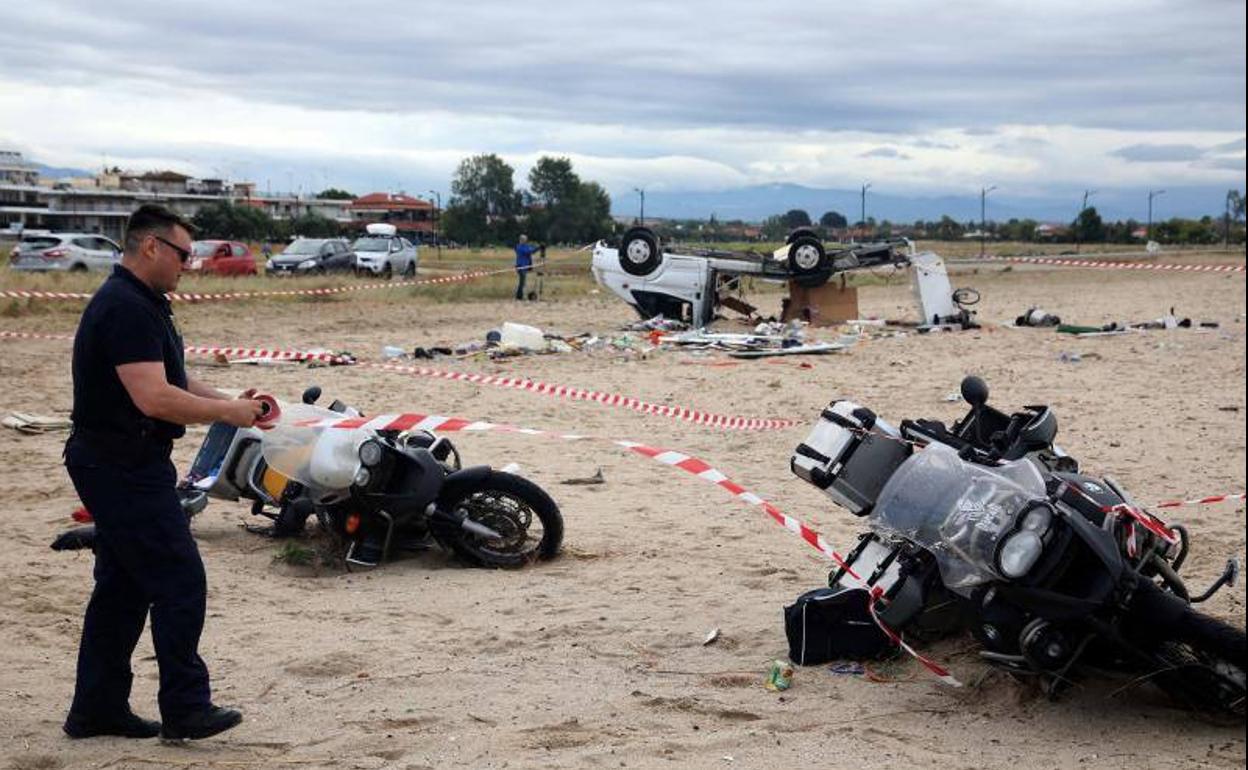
[54, 172]
[754, 204]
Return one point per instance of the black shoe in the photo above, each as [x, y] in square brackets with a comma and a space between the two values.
[201, 724]
[128, 725]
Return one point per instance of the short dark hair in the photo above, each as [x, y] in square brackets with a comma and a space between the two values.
[150, 218]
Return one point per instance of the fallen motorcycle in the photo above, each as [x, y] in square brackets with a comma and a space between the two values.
[378, 492]
[988, 526]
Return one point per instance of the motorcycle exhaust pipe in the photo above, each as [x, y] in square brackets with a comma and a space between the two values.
[480, 529]
[461, 521]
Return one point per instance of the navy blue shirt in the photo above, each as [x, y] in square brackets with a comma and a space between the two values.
[125, 322]
[524, 254]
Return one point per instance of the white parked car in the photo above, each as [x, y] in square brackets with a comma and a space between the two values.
[383, 252]
[73, 252]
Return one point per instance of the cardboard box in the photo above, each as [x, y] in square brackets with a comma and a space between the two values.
[827, 305]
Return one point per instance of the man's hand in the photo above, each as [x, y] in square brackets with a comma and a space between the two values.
[241, 412]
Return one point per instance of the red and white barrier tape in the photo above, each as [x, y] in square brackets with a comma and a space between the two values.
[694, 416]
[685, 462]
[1203, 501]
[233, 295]
[1113, 265]
[276, 355]
[689, 415]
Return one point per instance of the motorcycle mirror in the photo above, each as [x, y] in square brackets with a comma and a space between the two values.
[974, 391]
[311, 395]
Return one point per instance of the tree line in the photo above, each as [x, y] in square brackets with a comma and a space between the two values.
[558, 207]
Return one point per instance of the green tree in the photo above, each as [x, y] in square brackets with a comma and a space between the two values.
[833, 220]
[796, 218]
[335, 194]
[947, 229]
[313, 225]
[226, 220]
[562, 207]
[484, 201]
[1088, 227]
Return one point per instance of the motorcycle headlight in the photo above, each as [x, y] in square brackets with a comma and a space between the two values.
[1038, 518]
[1019, 553]
[370, 453]
[307, 264]
[362, 477]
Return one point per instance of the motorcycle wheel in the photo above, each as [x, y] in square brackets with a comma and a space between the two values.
[527, 518]
[1207, 669]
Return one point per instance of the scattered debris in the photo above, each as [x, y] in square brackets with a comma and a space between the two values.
[35, 424]
[597, 478]
[1037, 317]
[658, 323]
[848, 669]
[711, 637]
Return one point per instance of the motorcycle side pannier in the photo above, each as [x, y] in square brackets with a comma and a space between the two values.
[850, 454]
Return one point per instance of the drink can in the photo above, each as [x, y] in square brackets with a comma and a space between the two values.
[779, 676]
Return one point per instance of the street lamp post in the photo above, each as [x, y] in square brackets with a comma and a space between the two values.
[862, 213]
[1226, 222]
[983, 219]
[1151, 194]
[437, 216]
[642, 192]
[1086, 194]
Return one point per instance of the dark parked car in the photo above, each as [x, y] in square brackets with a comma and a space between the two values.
[312, 256]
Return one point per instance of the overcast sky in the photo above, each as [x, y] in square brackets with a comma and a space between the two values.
[918, 97]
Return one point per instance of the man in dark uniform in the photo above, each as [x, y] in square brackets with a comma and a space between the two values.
[132, 397]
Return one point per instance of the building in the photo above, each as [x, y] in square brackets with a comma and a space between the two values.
[26, 202]
[413, 217]
[15, 170]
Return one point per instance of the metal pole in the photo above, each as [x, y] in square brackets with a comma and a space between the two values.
[862, 219]
[983, 219]
[1226, 224]
[1086, 194]
[1151, 194]
[437, 220]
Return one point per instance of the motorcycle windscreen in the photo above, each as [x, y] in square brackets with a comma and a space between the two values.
[957, 511]
[302, 447]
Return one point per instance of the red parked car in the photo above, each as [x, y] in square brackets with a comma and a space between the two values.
[221, 258]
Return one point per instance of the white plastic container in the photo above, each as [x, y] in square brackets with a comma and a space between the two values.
[521, 336]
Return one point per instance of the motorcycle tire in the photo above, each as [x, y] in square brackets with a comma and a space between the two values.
[508, 504]
[1204, 665]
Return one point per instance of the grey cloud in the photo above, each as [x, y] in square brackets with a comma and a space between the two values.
[1239, 145]
[928, 144]
[1224, 164]
[1159, 153]
[660, 64]
[885, 152]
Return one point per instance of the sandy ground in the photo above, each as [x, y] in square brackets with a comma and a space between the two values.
[595, 659]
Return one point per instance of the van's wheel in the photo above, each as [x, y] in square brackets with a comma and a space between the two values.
[78, 268]
[639, 251]
[410, 271]
[801, 232]
[808, 262]
[387, 272]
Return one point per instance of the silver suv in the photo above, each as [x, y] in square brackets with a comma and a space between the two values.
[74, 252]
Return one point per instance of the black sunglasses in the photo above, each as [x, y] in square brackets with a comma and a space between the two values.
[183, 254]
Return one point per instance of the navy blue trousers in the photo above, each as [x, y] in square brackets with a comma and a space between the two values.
[145, 561]
[521, 275]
